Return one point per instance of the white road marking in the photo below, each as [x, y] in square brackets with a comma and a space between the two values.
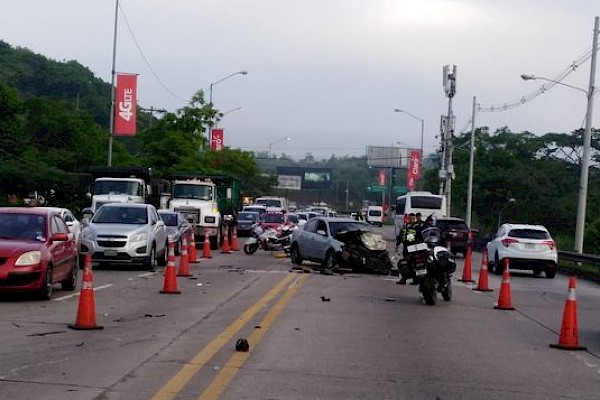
[146, 274]
[77, 294]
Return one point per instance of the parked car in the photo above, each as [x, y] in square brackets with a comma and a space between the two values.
[176, 226]
[126, 233]
[293, 218]
[37, 251]
[259, 208]
[456, 232]
[302, 218]
[340, 242]
[528, 247]
[72, 223]
[245, 221]
[273, 220]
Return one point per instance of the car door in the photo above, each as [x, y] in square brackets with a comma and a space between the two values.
[492, 246]
[321, 240]
[159, 230]
[305, 242]
[63, 252]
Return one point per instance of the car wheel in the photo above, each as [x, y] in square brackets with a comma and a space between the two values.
[47, 288]
[296, 258]
[537, 271]
[71, 281]
[550, 272]
[328, 264]
[150, 262]
[162, 261]
[497, 266]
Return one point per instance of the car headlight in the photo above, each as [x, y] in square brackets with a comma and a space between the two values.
[139, 237]
[372, 241]
[29, 258]
[88, 234]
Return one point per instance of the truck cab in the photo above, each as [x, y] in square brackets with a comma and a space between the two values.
[196, 200]
[119, 185]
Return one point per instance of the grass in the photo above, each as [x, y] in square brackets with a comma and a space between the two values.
[588, 271]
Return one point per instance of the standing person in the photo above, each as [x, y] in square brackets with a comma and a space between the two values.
[420, 223]
[409, 234]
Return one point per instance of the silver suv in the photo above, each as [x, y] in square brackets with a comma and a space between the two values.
[126, 234]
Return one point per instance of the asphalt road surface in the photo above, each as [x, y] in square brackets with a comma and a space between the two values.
[351, 336]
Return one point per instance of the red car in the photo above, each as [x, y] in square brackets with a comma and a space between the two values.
[36, 251]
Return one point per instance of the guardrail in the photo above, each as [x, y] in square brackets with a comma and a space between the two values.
[579, 257]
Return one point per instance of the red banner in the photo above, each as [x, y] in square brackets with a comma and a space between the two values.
[414, 169]
[125, 105]
[381, 180]
[216, 141]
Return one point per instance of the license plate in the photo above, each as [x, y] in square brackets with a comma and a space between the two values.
[420, 272]
[530, 246]
[110, 253]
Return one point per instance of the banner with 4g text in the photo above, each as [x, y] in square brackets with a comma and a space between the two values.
[125, 105]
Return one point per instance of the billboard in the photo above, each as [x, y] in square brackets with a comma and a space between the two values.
[387, 157]
[309, 178]
[125, 105]
[216, 139]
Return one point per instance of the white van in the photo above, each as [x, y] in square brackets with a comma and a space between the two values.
[273, 204]
[425, 203]
[375, 215]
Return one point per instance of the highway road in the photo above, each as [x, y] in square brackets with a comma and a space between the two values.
[351, 336]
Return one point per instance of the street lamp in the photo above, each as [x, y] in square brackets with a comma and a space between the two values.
[221, 115]
[509, 202]
[418, 119]
[587, 138]
[277, 141]
[210, 92]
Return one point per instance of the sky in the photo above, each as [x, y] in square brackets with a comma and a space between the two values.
[328, 74]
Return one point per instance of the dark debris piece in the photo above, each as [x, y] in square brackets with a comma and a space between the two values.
[242, 345]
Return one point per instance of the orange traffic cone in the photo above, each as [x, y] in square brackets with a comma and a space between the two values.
[206, 246]
[569, 332]
[184, 260]
[466, 276]
[225, 249]
[170, 286]
[504, 301]
[234, 239]
[86, 312]
[483, 285]
[192, 254]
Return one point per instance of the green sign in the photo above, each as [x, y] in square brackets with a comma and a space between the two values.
[376, 189]
[400, 190]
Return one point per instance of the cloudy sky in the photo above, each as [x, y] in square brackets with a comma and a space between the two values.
[328, 73]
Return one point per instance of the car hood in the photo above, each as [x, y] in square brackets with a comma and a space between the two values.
[9, 248]
[370, 240]
[116, 229]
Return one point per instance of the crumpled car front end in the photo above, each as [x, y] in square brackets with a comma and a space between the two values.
[364, 251]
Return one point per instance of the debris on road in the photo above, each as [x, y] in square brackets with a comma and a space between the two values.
[242, 345]
[46, 333]
[323, 298]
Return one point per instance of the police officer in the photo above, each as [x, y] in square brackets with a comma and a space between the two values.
[409, 234]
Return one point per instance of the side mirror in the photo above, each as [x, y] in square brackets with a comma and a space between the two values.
[60, 237]
[88, 195]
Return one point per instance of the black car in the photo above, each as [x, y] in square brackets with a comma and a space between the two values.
[245, 221]
[456, 233]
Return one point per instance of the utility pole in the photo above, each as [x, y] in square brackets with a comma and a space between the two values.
[112, 87]
[153, 111]
[585, 160]
[471, 162]
[447, 169]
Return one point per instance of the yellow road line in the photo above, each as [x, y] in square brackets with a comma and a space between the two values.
[185, 374]
[237, 360]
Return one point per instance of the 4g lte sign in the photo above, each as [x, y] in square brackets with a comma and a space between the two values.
[414, 169]
[125, 105]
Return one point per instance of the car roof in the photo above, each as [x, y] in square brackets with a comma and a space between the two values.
[57, 209]
[340, 219]
[248, 212]
[26, 210]
[526, 226]
[136, 205]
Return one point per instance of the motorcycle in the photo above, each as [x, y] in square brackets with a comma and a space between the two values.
[431, 266]
[269, 239]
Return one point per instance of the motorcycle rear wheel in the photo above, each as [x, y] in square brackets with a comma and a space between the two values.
[427, 290]
[250, 248]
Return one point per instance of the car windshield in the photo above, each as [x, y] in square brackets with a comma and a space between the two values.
[272, 218]
[293, 218]
[247, 216]
[116, 187]
[169, 219]
[121, 215]
[348, 226]
[189, 191]
[528, 233]
[30, 227]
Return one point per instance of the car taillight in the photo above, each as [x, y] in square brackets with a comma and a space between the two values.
[508, 241]
[405, 219]
[550, 243]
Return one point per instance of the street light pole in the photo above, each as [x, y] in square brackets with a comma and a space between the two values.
[210, 96]
[112, 87]
[221, 115]
[418, 119]
[471, 162]
[587, 139]
[275, 142]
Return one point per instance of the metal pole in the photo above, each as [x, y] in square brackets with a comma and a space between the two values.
[449, 166]
[112, 87]
[587, 137]
[347, 194]
[471, 162]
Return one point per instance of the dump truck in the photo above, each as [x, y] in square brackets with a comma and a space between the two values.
[119, 185]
